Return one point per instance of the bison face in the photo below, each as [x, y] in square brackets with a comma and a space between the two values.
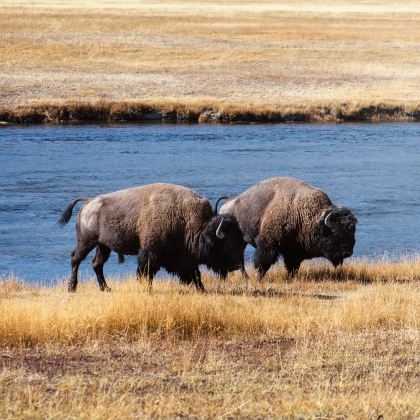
[337, 230]
[222, 245]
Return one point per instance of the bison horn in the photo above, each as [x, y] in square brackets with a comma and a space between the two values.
[327, 221]
[219, 232]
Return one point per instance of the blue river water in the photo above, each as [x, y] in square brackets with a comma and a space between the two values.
[372, 168]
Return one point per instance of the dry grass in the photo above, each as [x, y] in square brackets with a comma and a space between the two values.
[298, 61]
[328, 344]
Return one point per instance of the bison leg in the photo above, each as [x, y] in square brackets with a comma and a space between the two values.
[188, 278]
[197, 280]
[243, 271]
[292, 265]
[77, 256]
[147, 265]
[264, 258]
[183, 279]
[195, 276]
[223, 274]
[100, 258]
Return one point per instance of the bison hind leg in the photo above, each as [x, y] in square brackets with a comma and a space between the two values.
[77, 256]
[98, 261]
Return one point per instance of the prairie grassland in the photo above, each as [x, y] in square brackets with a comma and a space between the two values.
[257, 57]
[331, 343]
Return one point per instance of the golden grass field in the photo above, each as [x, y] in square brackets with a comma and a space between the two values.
[330, 344]
[284, 60]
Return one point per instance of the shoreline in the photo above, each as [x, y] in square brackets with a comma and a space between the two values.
[138, 111]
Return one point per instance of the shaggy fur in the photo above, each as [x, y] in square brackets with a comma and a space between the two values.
[165, 225]
[285, 216]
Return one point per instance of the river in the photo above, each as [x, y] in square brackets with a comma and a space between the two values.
[372, 168]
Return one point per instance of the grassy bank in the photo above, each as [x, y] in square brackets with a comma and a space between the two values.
[205, 61]
[134, 111]
[330, 343]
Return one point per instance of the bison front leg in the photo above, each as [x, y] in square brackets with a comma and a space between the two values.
[100, 258]
[147, 265]
[243, 271]
[77, 256]
[192, 276]
[292, 265]
[197, 281]
[222, 274]
[264, 258]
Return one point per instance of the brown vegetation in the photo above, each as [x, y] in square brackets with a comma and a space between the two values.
[209, 61]
[330, 343]
[110, 111]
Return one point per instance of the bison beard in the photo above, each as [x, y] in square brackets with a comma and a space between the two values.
[165, 225]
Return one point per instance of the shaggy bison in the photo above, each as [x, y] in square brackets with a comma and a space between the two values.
[164, 225]
[288, 217]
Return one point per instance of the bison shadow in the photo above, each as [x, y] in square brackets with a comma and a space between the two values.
[273, 293]
[319, 274]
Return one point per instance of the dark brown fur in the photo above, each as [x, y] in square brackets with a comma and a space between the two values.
[165, 225]
[285, 216]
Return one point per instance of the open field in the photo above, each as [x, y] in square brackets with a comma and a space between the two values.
[202, 60]
[342, 343]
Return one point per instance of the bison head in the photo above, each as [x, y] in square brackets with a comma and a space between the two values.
[221, 245]
[336, 234]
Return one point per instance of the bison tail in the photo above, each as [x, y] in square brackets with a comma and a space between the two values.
[121, 259]
[220, 198]
[65, 217]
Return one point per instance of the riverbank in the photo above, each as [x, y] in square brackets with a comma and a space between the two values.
[134, 111]
[209, 61]
[329, 343]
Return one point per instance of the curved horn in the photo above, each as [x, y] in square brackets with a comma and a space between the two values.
[219, 232]
[327, 221]
[220, 198]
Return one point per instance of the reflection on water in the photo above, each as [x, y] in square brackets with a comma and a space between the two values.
[374, 169]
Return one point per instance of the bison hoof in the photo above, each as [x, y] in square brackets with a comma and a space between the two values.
[106, 289]
[72, 288]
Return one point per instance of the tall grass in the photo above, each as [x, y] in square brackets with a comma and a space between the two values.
[320, 301]
[329, 344]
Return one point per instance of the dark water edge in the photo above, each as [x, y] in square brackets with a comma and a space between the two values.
[372, 168]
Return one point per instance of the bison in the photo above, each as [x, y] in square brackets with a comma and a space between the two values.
[285, 216]
[164, 225]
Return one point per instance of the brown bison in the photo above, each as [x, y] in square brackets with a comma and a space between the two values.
[165, 225]
[285, 216]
